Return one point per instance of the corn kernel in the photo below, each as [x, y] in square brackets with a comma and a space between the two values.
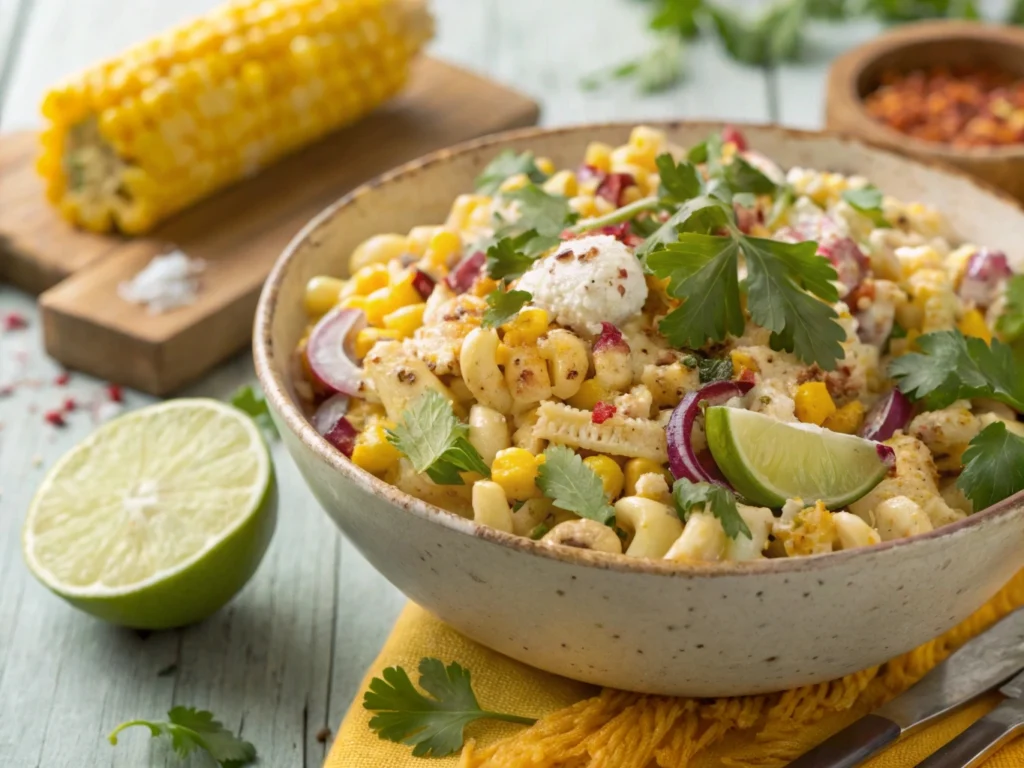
[584, 205]
[367, 337]
[369, 279]
[562, 183]
[483, 286]
[973, 324]
[847, 419]
[590, 394]
[378, 249]
[741, 361]
[544, 165]
[515, 470]
[637, 467]
[514, 182]
[420, 238]
[443, 246]
[353, 302]
[384, 301]
[405, 320]
[646, 143]
[813, 403]
[373, 452]
[322, 294]
[631, 195]
[462, 209]
[610, 473]
[598, 155]
[526, 327]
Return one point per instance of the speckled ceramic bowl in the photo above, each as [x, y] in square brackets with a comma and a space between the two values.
[698, 630]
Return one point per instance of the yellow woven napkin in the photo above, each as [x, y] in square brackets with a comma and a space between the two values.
[584, 727]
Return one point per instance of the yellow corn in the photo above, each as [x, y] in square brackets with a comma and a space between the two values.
[562, 183]
[525, 328]
[598, 155]
[514, 182]
[217, 98]
[353, 302]
[742, 361]
[610, 473]
[847, 419]
[373, 452]
[322, 294]
[590, 394]
[646, 144]
[973, 324]
[368, 279]
[367, 337]
[419, 238]
[462, 211]
[384, 301]
[545, 165]
[406, 320]
[637, 467]
[379, 249]
[444, 245]
[813, 403]
[515, 470]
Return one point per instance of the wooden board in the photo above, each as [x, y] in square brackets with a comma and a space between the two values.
[239, 232]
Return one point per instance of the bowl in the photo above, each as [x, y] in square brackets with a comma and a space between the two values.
[954, 44]
[651, 626]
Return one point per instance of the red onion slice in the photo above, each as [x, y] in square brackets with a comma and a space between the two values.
[343, 437]
[890, 413]
[423, 283]
[985, 270]
[329, 420]
[887, 456]
[466, 272]
[327, 352]
[683, 459]
[850, 262]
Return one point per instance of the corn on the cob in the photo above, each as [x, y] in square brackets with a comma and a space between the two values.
[134, 139]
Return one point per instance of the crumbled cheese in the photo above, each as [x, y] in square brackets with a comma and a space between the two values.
[586, 282]
[167, 282]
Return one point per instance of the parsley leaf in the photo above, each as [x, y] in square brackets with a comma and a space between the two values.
[1011, 323]
[506, 258]
[434, 725]
[572, 485]
[719, 501]
[679, 182]
[547, 214]
[190, 729]
[707, 214]
[743, 177]
[993, 466]
[503, 305]
[867, 201]
[506, 164]
[714, 369]
[248, 400]
[435, 441]
[953, 367]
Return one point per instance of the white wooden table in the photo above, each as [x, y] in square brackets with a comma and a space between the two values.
[284, 659]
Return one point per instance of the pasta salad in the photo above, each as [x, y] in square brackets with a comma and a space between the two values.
[685, 353]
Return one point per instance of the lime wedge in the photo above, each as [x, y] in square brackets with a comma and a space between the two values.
[769, 461]
[158, 518]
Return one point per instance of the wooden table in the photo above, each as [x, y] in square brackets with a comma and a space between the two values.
[285, 658]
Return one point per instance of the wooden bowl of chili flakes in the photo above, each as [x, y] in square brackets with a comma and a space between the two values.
[949, 91]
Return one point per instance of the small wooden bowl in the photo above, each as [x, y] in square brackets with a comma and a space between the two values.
[955, 44]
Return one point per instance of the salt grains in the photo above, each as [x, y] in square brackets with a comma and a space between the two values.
[167, 282]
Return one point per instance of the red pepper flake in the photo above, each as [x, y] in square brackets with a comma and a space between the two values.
[62, 379]
[610, 339]
[15, 321]
[115, 393]
[56, 418]
[70, 404]
[602, 412]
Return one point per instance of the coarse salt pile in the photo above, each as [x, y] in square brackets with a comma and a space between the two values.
[167, 282]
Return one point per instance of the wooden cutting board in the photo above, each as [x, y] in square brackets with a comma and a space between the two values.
[240, 232]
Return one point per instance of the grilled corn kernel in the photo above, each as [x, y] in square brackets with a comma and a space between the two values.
[598, 155]
[847, 419]
[631, 195]
[525, 328]
[515, 470]
[322, 294]
[405, 320]
[741, 361]
[813, 403]
[353, 302]
[369, 279]
[462, 209]
[420, 238]
[514, 182]
[373, 452]
[367, 337]
[384, 301]
[379, 249]
[646, 143]
[637, 467]
[584, 205]
[610, 473]
[544, 165]
[973, 324]
[443, 247]
[590, 394]
[562, 183]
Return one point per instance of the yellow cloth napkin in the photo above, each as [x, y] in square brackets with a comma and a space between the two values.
[584, 727]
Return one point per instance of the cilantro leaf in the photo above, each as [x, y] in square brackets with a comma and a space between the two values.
[248, 400]
[434, 725]
[679, 182]
[707, 213]
[714, 369]
[503, 305]
[702, 270]
[719, 501]
[655, 71]
[993, 466]
[743, 177]
[189, 730]
[779, 277]
[507, 164]
[435, 441]
[953, 367]
[547, 214]
[506, 257]
[572, 485]
[868, 201]
[1011, 323]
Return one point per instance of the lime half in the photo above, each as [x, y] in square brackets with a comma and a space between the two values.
[158, 518]
[769, 461]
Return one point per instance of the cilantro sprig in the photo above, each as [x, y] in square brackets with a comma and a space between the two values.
[435, 441]
[434, 725]
[953, 367]
[516, 245]
[719, 501]
[503, 305]
[572, 485]
[993, 466]
[506, 164]
[868, 201]
[189, 730]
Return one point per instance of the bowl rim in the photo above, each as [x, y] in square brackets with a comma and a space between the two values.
[905, 36]
[275, 389]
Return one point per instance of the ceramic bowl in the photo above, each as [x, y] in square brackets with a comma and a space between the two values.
[657, 627]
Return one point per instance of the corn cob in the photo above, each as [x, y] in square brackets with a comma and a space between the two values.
[134, 139]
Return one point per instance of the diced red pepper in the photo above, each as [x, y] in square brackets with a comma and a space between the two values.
[610, 338]
[732, 134]
[466, 272]
[602, 412]
[614, 185]
[423, 283]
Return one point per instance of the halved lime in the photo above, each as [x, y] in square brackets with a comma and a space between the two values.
[769, 461]
[158, 518]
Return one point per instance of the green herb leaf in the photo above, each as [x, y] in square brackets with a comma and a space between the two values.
[434, 725]
[868, 201]
[679, 182]
[743, 177]
[993, 466]
[548, 215]
[701, 214]
[250, 401]
[719, 501]
[714, 369]
[503, 305]
[506, 258]
[507, 164]
[679, 16]
[189, 730]
[1011, 323]
[953, 367]
[572, 485]
[698, 153]
[435, 441]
